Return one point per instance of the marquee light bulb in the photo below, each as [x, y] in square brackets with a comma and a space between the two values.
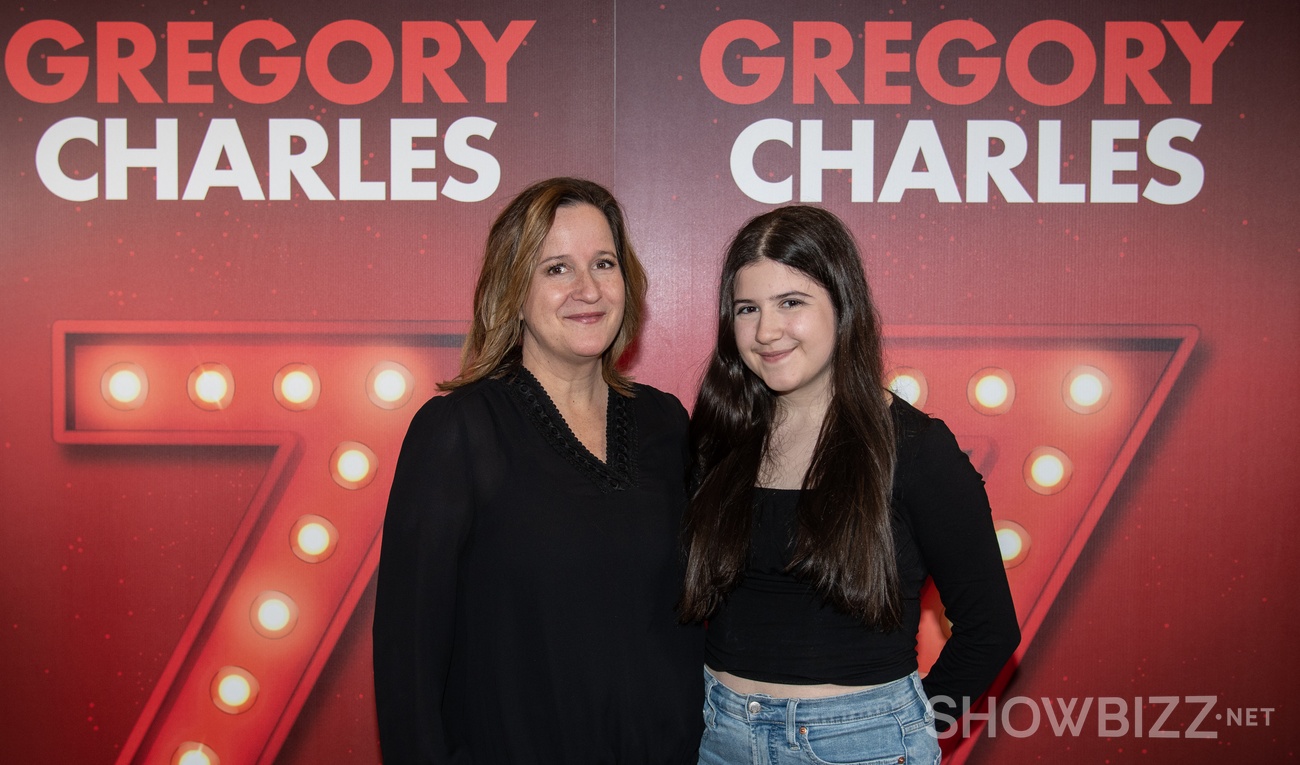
[194, 753]
[1009, 543]
[297, 386]
[275, 614]
[991, 391]
[234, 689]
[1013, 542]
[353, 465]
[1047, 470]
[211, 386]
[312, 539]
[124, 386]
[908, 384]
[389, 385]
[1086, 389]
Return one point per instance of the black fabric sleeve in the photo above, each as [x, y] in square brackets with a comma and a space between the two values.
[949, 510]
[425, 528]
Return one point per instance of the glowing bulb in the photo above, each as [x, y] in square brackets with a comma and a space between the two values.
[194, 753]
[313, 539]
[124, 386]
[353, 465]
[234, 689]
[1047, 470]
[1086, 389]
[1009, 543]
[193, 757]
[908, 384]
[907, 388]
[273, 615]
[991, 391]
[389, 385]
[1013, 542]
[210, 387]
[296, 387]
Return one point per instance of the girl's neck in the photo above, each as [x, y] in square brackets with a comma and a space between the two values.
[791, 444]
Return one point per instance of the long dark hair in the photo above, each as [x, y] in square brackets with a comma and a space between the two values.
[517, 234]
[844, 543]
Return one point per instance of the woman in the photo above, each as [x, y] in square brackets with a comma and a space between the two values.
[823, 504]
[530, 557]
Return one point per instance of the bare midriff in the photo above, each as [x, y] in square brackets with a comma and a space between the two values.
[747, 687]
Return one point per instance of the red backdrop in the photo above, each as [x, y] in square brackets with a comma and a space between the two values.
[332, 215]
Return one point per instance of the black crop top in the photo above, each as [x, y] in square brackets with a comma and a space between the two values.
[775, 628]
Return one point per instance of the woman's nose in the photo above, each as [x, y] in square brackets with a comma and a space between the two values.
[584, 288]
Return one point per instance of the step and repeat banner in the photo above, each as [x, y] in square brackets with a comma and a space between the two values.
[239, 243]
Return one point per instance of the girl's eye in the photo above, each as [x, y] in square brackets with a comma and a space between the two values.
[791, 303]
[745, 309]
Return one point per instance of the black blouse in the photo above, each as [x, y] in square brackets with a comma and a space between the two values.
[525, 608]
[774, 627]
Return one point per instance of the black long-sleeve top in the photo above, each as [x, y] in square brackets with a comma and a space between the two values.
[525, 609]
[774, 627]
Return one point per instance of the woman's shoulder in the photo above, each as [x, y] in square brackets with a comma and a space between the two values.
[919, 435]
[656, 402]
[470, 404]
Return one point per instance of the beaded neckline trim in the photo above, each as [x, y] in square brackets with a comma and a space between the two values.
[617, 472]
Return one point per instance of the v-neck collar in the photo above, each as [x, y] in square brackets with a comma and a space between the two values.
[617, 471]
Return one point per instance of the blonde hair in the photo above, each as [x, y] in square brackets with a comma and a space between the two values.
[495, 332]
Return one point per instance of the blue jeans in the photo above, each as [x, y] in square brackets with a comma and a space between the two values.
[891, 724]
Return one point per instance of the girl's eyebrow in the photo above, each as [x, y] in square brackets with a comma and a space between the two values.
[778, 298]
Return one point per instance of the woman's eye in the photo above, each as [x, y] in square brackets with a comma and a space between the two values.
[555, 269]
[606, 263]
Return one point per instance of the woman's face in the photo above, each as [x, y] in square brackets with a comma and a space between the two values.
[785, 330]
[574, 306]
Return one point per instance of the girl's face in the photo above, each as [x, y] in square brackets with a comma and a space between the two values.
[785, 330]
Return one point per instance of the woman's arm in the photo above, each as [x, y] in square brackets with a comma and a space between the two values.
[425, 527]
[950, 515]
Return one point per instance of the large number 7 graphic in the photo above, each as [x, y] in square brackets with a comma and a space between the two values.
[1052, 416]
[333, 401]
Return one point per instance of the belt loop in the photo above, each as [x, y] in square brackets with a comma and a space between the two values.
[790, 730]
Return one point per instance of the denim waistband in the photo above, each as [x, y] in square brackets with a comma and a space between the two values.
[858, 705]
